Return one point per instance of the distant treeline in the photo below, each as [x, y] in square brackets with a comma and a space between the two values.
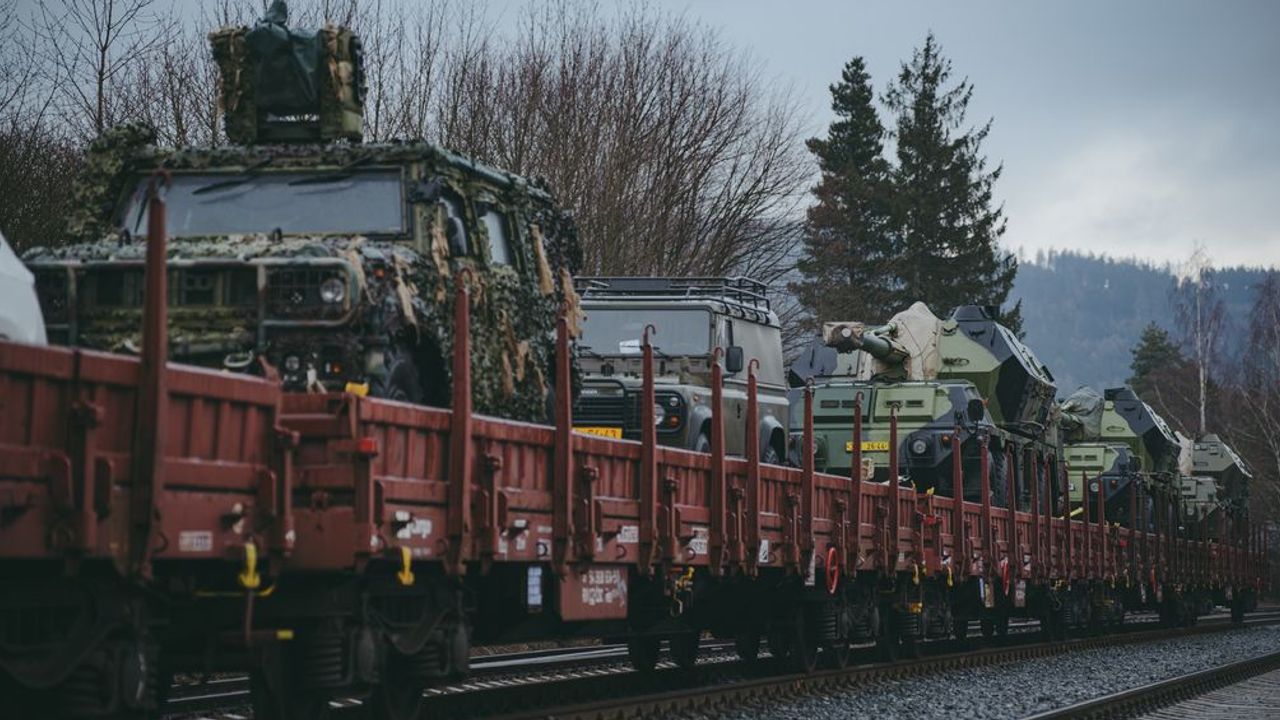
[1083, 313]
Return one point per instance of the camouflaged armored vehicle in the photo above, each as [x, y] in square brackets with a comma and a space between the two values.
[692, 317]
[331, 260]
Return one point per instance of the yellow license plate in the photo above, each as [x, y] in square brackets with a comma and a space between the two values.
[869, 446]
[609, 432]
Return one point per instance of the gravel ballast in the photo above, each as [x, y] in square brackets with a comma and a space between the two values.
[1014, 690]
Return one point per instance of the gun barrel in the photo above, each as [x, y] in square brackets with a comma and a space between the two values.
[847, 337]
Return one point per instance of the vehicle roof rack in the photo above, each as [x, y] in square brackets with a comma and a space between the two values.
[736, 290]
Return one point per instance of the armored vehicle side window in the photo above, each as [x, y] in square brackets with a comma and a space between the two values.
[198, 204]
[763, 343]
[497, 228]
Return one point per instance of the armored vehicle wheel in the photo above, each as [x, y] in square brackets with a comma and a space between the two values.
[747, 645]
[642, 651]
[400, 381]
[684, 649]
[399, 694]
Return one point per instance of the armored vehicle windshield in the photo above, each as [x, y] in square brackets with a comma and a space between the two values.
[608, 331]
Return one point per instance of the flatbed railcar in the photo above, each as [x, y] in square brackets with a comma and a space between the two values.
[157, 518]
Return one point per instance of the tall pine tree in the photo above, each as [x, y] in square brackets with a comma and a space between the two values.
[1154, 352]
[849, 256]
[943, 203]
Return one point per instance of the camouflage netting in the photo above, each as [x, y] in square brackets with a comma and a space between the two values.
[274, 71]
[407, 283]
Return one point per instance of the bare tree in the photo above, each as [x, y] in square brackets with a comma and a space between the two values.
[1200, 315]
[88, 48]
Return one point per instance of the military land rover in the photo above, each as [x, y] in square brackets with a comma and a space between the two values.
[332, 260]
[692, 317]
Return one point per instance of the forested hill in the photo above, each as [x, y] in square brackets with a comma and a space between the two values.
[1083, 314]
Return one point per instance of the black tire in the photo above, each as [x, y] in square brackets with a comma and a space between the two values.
[400, 381]
[642, 651]
[702, 444]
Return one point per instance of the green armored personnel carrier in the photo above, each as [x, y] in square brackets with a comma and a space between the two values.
[1111, 441]
[300, 248]
[967, 372]
[1219, 481]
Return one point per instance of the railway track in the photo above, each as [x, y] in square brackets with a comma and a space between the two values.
[719, 686]
[1246, 689]
[540, 679]
[231, 692]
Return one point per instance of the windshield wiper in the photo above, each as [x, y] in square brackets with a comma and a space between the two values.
[338, 175]
[244, 177]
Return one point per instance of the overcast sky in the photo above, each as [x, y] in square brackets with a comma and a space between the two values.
[1128, 128]
[1138, 128]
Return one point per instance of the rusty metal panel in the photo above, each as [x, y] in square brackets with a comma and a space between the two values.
[600, 593]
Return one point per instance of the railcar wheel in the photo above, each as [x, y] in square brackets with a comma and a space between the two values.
[804, 643]
[779, 644]
[960, 628]
[988, 627]
[836, 654]
[684, 649]
[747, 645]
[285, 699]
[642, 651]
[887, 644]
[399, 695]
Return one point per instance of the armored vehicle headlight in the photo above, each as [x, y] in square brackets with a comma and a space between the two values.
[659, 413]
[333, 290]
[1093, 486]
[292, 363]
[919, 446]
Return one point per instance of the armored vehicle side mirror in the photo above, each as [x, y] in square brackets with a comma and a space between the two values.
[976, 410]
[733, 362]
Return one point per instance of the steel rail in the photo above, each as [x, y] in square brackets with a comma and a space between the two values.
[652, 694]
[1141, 700]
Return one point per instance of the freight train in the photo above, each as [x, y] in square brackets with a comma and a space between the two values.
[158, 518]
